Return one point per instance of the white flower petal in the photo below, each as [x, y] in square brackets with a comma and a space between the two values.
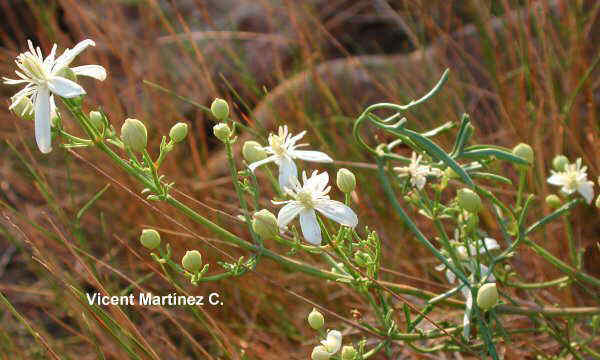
[95, 71]
[256, 164]
[314, 156]
[69, 55]
[557, 179]
[310, 227]
[43, 136]
[65, 87]
[586, 189]
[288, 213]
[450, 276]
[287, 171]
[337, 212]
[490, 244]
[317, 182]
[333, 343]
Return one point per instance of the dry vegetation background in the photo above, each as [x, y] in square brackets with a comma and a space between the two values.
[516, 67]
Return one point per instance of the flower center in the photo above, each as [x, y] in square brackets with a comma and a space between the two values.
[276, 142]
[305, 198]
[35, 67]
[572, 180]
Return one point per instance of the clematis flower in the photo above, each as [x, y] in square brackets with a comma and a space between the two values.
[573, 178]
[45, 76]
[283, 150]
[329, 346]
[418, 173]
[307, 198]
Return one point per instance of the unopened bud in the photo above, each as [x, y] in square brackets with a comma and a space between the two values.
[560, 162]
[346, 181]
[253, 152]
[315, 319]
[150, 239]
[598, 202]
[97, 120]
[487, 296]
[553, 201]
[219, 109]
[320, 353]
[469, 200]
[178, 132]
[524, 151]
[348, 353]
[264, 223]
[362, 259]
[192, 261]
[23, 108]
[134, 135]
[222, 132]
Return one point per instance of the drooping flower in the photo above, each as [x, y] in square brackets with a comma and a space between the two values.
[283, 150]
[418, 173]
[307, 198]
[573, 178]
[46, 76]
[329, 347]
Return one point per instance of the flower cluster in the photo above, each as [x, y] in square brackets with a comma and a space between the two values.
[46, 76]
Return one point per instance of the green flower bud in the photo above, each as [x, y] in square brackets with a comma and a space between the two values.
[23, 108]
[524, 151]
[219, 109]
[560, 162]
[320, 353]
[253, 152]
[553, 201]
[97, 120]
[469, 200]
[192, 261]
[150, 239]
[487, 296]
[348, 353]
[134, 135]
[178, 132]
[264, 223]
[316, 319]
[598, 202]
[362, 259]
[222, 132]
[346, 181]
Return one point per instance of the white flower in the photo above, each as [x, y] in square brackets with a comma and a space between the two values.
[573, 178]
[310, 197]
[418, 173]
[282, 148]
[333, 342]
[483, 245]
[45, 77]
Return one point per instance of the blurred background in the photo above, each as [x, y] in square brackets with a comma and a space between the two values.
[525, 71]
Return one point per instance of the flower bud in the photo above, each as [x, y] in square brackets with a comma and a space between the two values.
[134, 134]
[316, 319]
[346, 181]
[487, 296]
[348, 353]
[150, 239]
[469, 200]
[222, 132]
[192, 261]
[264, 223]
[560, 162]
[320, 353]
[219, 109]
[97, 120]
[362, 259]
[253, 152]
[178, 132]
[23, 108]
[524, 151]
[598, 202]
[553, 201]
